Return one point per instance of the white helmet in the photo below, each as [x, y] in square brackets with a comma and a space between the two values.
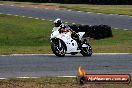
[58, 22]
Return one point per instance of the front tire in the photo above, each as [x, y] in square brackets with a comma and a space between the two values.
[60, 52]
[86, 51]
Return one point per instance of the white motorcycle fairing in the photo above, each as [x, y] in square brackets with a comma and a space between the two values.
[70, 43]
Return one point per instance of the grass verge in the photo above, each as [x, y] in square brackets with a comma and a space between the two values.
[26, 36]
[107, 9]
[54, 82]
[120, 42]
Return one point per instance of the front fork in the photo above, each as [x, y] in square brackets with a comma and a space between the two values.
[59, 43]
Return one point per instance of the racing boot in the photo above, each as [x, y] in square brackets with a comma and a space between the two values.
[79, 42]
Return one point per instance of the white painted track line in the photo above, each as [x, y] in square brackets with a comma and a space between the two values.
[105, 14]
[2, 78]
[11, 5]
[125, 29]
[23, 16]
[42, 19]
[37, 77]
[69, 10]
[116, 28]
[67, 54]
[35, 7]
[66, 22]
[111, 14]
[50, 20]
[73, 23]
[89, 12]
[79, 11]
[111, 53]
[36, 18]
[30, 17]
[22, 6]
[99, 13]
[9, 14]
[26, 77]
[56, 9]
[15, 15]
[26, 16]
[67, 76]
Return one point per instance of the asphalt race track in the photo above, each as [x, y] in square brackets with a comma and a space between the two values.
[50, 65]
[70, 16]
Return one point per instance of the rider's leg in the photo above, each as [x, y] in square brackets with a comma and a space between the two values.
[76, 37]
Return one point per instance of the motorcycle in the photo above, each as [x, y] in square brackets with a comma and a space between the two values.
[62, 43]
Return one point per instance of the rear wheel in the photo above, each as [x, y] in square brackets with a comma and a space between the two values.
[86, 51]
[59, 51]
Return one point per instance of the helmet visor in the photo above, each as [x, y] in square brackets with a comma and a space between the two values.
[57, 24]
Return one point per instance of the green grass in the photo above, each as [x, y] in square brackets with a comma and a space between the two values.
[107, 9]
[120, 42]
[23, 35]
[58, 80]
[43, 82]
[26, 36]
[18, 31]
[54, 82]
[14, 2]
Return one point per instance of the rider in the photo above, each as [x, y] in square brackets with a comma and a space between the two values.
[65, 28]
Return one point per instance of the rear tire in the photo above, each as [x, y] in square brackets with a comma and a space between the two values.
[86, 51]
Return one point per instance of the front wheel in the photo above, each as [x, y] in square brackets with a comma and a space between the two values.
[86, 51]
[58, 50]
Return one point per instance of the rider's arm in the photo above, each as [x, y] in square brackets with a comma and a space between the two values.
[61, 30]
